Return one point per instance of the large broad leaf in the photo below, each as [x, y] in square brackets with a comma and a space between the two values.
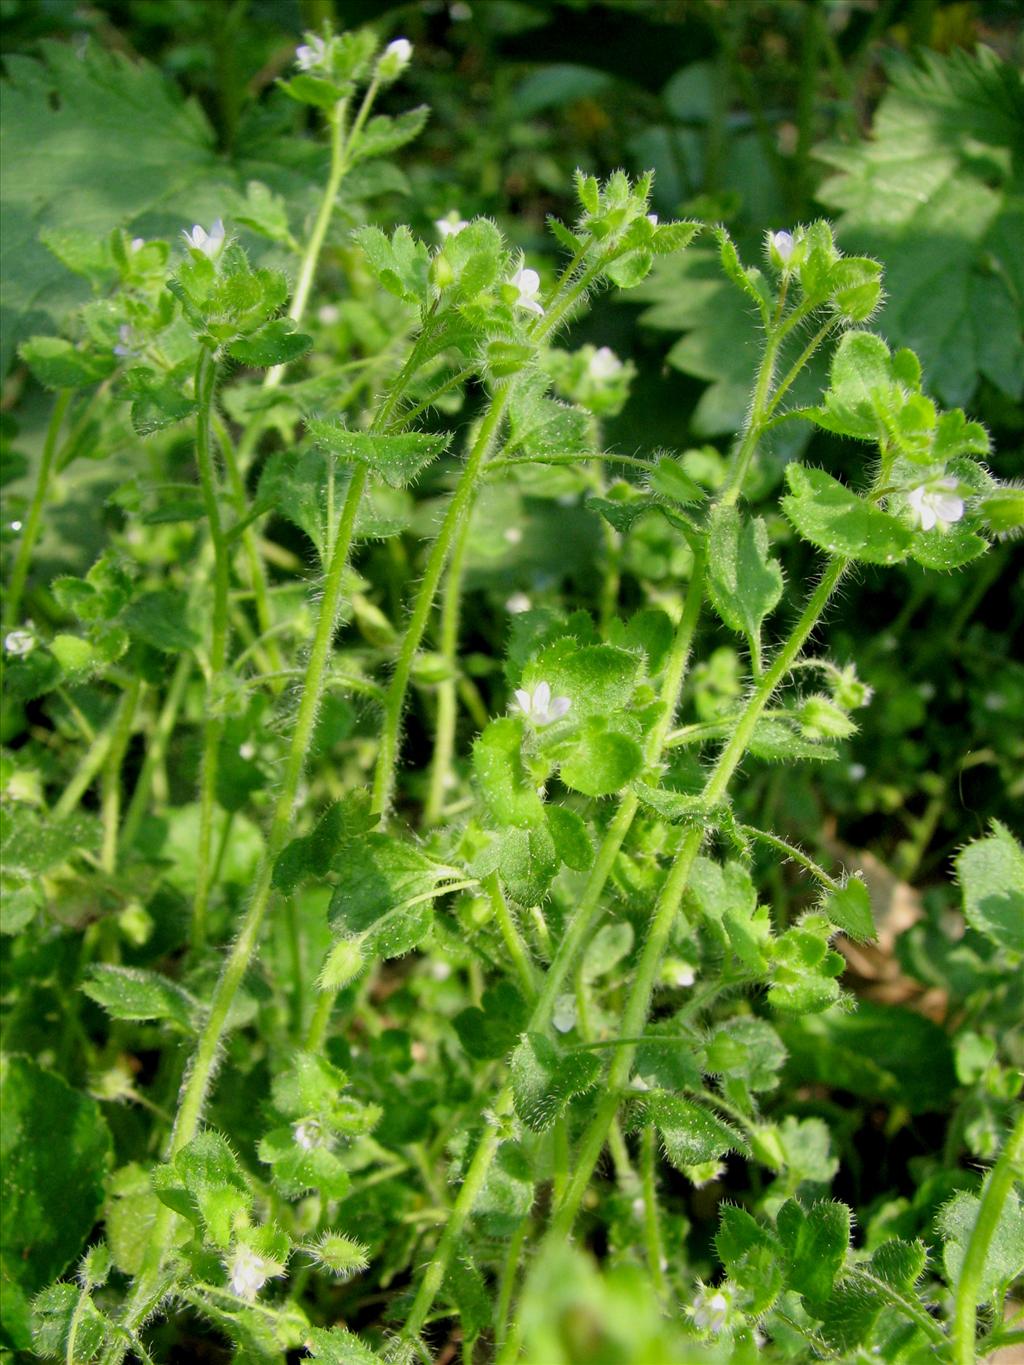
[55, 1151]
[69, 166]
[1004, 1260]
[745, 582]
[936, 193]
[544, 1079]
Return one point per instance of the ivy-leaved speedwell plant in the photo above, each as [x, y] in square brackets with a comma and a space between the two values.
[596, 972]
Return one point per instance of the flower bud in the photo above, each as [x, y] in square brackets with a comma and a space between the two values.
[821, 718]
[780, 249]
[396, 57]
[344, 963]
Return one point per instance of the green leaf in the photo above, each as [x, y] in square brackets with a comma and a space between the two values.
[55, 1150]
[401, 263]
[569, 834]
[602, 763]
[384, 134]
[509, 794]
[489, 1032]
[746, 1048]
[545, 1079]
[815, 1243]
[384, 894]
[275, 343]
[850, 909]
[597, 679]
[312, 854]
[32, 844]
[606, 949]
[991, 876]
[131, 993]
[1004, 1260]
[396, 459]
[52, 1315]
[206, 1184]
[947, 129]
[161, 619]
[690, 1133]
[338, 1346]
[59, 365]
[745, 583]
[881, 1053]
[804, 968]
[830, 516]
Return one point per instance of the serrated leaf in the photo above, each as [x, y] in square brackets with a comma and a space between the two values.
[815, 1243]
[544, 1079]
[384, 894]
[384, 134]
[338, 1346]
[835, 519]
[275, 343]
[400, 263]
[53, 1313]
[744, 581]
[991, 876]
[311, 854]
[690, 1133]
[936, 193]
[132, 993]
[396, 459]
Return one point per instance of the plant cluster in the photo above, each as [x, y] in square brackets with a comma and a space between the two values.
[389, 961]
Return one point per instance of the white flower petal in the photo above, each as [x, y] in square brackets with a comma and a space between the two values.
[541, 696]
[559, 706]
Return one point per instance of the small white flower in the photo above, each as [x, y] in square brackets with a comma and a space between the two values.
[307, 1134]
[248, 1273]
[513, 535]
[440, 971]
[710, 1310]
[124, 347]
[639, 1207]
[539, 706]
[329, 314]
[397, 56]
[563, 1016]
[451, 224]
[652, 218]
[15, 526]
[604, 364]
[638, 1083]
[781, 245]
[857, 772]
[528, 284]
[19, 642]
[684, 974]
[136, 244]
[311, 54]
[518, 603]
[209, 243]
[936, 504]
[247, 750]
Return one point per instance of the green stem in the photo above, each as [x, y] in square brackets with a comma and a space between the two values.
[511, 936]
[458, 509]
[200, 1075]
[667, 907]
[996, 1192]
[110, 801]
[447, 709]
[82, 778]
[206, 379]
[33, 520]
[790, 851]
[652, 1228]
[571, 944]
[257, 570]
[509, 1271]
[753, 431]
[155, 751]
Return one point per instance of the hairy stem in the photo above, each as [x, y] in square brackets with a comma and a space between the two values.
[206, 378]
[458, 509]
[667, 908]
[571, 945]
[110, 800]
[34, 517]
[447, 709]
[1008, 1168]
